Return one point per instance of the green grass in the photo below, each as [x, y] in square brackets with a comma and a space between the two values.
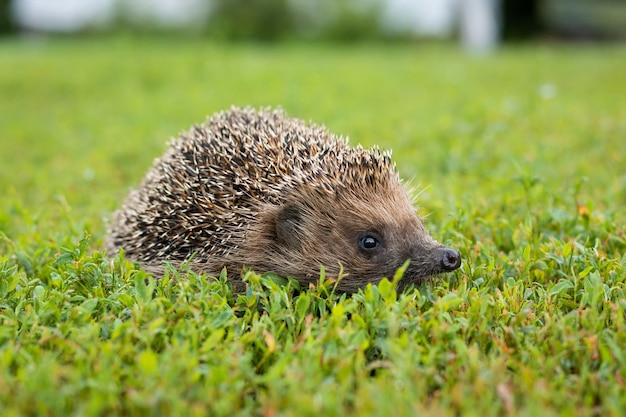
[522, 156]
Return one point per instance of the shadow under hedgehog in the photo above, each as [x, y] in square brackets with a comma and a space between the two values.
[260, 190]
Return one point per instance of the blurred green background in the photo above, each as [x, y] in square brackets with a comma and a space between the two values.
[270, 20]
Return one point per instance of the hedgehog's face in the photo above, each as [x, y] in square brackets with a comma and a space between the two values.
[369, 237]
[383, 239]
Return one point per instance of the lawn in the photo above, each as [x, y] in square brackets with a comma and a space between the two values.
[521, 162]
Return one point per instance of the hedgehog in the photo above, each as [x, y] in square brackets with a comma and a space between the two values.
[256, 189]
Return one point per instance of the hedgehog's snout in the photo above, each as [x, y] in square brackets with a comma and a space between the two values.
[448, 258]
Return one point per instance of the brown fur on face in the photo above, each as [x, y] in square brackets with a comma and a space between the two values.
[315, 228]
[259, 190]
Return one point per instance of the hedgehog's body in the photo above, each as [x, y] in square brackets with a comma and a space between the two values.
[260, 190]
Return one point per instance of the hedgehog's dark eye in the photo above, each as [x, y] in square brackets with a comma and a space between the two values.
[369, 242]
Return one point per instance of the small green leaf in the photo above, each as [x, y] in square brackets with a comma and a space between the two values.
[526, 254]
[302, 304]
[126, 299]
[276, 279]
[561, 286]
[39, 292]
[585, 272]
[387, 290]
[63, 259]
[567, 249]
[88, 306]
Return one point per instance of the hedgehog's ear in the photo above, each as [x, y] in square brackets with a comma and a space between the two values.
[288, 226]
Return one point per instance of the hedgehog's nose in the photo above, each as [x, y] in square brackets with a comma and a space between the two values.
[450, 259]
